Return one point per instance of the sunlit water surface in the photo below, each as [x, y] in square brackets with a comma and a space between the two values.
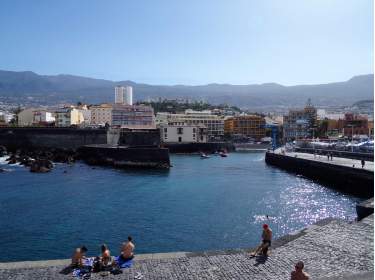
[209, 204]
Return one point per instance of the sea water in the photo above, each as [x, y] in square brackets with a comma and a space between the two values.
[199, 204]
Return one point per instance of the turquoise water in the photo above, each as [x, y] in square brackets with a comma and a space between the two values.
[208, 204]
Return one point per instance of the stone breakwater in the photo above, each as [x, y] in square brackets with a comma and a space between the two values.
[345, 175]
[331, 249]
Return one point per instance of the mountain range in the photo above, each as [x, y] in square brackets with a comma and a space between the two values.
[69, 88]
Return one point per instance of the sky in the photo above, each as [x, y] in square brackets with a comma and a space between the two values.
[190, 42]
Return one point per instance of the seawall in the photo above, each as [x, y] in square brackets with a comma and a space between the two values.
[122, 156]
[356, 181]
[57, 138]
[209, 147]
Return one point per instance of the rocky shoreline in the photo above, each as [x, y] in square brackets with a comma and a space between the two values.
[38, 161]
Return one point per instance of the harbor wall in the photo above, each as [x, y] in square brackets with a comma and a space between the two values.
[123, 157]
[73, 138]
[355, 181]
[57, 138]
[144, 137]
[187, 148]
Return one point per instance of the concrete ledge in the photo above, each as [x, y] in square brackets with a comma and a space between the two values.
[34, 264]
[356, 276]
[66, 262]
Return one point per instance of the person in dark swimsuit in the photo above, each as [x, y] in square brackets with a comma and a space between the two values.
[266, 241]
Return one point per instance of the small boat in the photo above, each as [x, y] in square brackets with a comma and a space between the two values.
[223, 154]
[204, 156]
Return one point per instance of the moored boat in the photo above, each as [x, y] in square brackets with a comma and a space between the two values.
[204, 156]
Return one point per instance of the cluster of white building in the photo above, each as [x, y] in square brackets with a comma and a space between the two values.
[191, 126]
[120, 114]
[188, 127]
[5, 117]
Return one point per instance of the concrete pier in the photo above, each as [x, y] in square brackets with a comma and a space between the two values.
[330, 249]
[346, 175]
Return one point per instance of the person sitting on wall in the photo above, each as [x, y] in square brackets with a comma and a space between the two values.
[298, 273]
[106, 259]
[266, 241]
[127, 250]
[78, 257]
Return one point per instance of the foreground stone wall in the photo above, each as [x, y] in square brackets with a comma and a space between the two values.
[330, 249]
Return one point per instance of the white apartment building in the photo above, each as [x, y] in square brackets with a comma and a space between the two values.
[124, 95]
[6, 117]
[68, 117]
[179, 132]
[133, 116]
[101, 114]
[43, 117]
[214, 123]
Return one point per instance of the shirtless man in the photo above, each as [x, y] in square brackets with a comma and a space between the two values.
[127, 249]
[298, 273]
[266, 241]
[78, 256]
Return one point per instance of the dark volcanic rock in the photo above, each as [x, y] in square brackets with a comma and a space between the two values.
[12, 159]
[26, 161]
[26, 157]
[41, 166]
[3, 151]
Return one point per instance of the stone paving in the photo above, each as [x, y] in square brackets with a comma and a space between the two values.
[369, 165]
[332, 249]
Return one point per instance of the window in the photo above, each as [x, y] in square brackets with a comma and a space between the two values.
[165, 130]
[179, 139]
[180, 130]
